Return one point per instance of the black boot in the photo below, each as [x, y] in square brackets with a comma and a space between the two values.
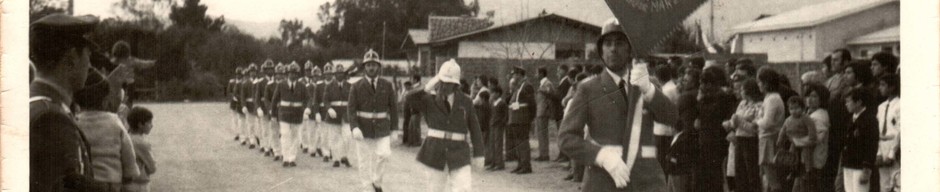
[345, 162]
[335, 163]
[278, 158]
[377, 188]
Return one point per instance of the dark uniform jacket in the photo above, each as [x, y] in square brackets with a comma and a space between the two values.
[246, 92]
[230, 90]
[460, 118]
[610, 117]
[335, 96]
[861, 141]
[290, 101]
[257, 92]
[58, 150]
[313, 97]
[525, 96]
[267, 98]
[365, 101]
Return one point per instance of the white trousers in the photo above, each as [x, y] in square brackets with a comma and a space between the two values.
[235, 128]
[261, 129]
[457, 180]
[886, 174]
[856, 180]
[311, 135]
[290, 140]
[338, 136]
[252, 126]
[274, 136]
[372, 155]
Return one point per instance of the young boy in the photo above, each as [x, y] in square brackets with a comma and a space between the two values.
[108, 141]
[140, 121]
[800, 130]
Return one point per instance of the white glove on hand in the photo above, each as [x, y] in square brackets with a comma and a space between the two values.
[318, 118]
[260, 112]
[477, 163]
[396, 134]
[307, 113]
[640, 77]
[356, 133]
[245, 110]
[514, 106]
[331, 112]
[609, 159]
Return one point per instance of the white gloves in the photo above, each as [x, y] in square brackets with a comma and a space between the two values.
[514, 106]
[477, 163]
[245, 110]
[307, 113]
[609, 159]
[356, 133]
[331, 112]
[396, 134]
[640, 77]
[318, 118]
[260, 112]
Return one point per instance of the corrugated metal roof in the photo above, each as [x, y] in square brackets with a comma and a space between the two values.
[890, 34]
[811, 15]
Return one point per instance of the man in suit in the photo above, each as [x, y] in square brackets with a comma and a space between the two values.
[290, 97]
[861, 143]
[335, 98]
[521, 113]
[373, 116]
[451, 118]
[59, 153]
[545, 111]
[618, 107]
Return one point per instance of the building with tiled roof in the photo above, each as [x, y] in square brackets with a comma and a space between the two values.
[547, 36]
[811, 32]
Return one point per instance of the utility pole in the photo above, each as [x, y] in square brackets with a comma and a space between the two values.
[383, 41]
[711, 18]
[71, 7]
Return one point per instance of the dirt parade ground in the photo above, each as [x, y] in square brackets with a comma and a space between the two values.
[195, 151]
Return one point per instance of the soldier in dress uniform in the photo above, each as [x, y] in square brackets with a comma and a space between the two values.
[273, 127]
[305, 78]
[335, 97]
[521, 113]
[231, 89]
[320, 107]
[258, 89]
[249, 106]
[315, 139]
[618, 108]
[59, 153]
[290, 96]
[373, 116]
[450, 117]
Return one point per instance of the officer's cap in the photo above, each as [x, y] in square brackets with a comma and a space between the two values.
[292, 68]
[308, 65]
[279, 68]
[611, 26]
[52, 35]
[316, 70]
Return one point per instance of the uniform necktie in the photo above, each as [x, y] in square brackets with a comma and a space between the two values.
[373, 84]
[623, 89]
[884, 126]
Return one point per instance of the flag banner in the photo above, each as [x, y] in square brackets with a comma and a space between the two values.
[649, 22]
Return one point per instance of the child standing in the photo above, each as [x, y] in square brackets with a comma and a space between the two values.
[800, 131]
[108, 141]
[140, 120]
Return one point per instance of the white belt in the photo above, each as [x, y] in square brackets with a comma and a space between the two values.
[521, 104]
[339, 103]
[371, 115]
[250, 100]
[291, 104]
[447, 135]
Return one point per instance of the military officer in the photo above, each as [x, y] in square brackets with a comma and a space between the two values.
[59, 153]
[231, 89]
[335, 97]
[320, 107]
[249, 106]
[373, 116]
[273, 127]
[290, 96]
[451, 118]
[618, 107]
[258, 89]
[305, 76]
[315, 134]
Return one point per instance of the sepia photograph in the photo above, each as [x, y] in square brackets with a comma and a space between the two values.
[465, 95]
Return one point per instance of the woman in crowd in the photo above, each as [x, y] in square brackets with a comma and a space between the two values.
[769, 124]
[714, 106]
[745, 137]
[816, 104]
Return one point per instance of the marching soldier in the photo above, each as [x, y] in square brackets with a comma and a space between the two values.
[258, 89]
[335, 98]
[450, 117]
[373, 116]
[273, 127]
[249, 106]
[231, 89]
[59, 154]
[618, 107]
[320, 107]
[290, 96]
[315, 135]
[305, 78]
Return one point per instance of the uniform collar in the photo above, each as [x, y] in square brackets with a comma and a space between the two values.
[615, 77]
[44, 87]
